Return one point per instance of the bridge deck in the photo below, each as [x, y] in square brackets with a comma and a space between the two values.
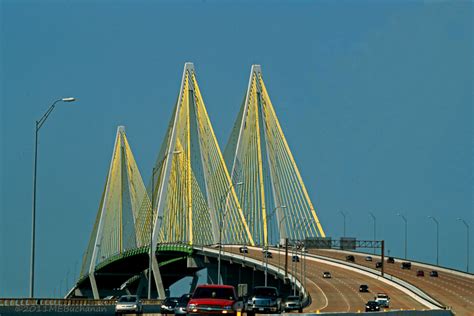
[341, 292]
[449, 288]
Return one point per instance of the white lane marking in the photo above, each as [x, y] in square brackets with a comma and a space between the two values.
[321, 290]
[316, 275]
[385, 280]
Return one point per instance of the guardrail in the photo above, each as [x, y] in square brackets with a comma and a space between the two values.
[419, 263]
[66, 302]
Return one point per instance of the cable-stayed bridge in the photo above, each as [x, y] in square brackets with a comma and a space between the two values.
[192, 198]
[252, 194]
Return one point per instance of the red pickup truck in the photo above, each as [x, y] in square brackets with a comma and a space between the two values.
[214, 299]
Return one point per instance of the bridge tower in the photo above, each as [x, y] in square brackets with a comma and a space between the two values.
[114, 231]
[194, 200]
[273, 197]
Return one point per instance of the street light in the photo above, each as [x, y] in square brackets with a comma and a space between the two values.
[297, 243]
[152, 251]
[467, 242]
[279, 244]
[39, 124]
[344, 216]
[406, 232]
[437, 238]
[219, 281]
[375, 226]
[265, 253]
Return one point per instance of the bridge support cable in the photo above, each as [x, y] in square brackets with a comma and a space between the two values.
[258, 155]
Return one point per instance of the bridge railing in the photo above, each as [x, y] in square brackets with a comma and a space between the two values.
[63, 302]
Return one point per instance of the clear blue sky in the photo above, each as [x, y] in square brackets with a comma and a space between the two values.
[375, 99]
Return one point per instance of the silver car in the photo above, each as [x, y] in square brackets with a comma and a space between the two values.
[128, 304]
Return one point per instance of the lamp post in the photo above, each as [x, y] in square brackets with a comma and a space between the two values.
[437, 238]
[265, 253]
[152, 251]
[406, 232]
[295, 253]
[375, 226]
[219, 281]
[279, 244]
[467, 242]
[344, 216]
[39, 124]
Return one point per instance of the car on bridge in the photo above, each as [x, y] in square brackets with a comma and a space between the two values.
[244, 249]
[391, 260]
[406, 265]
[214, 299]
[128, 304]
[327, 275]
[293, 303]
[372, 306]
[378, 264]
[363, 288]
[267, 254]
[434, 273]
[168, 305]
[420, 273]
[368, 258]
[383, 299]
[181, 306]
[264, 299]
[350, 258]
[295, 258]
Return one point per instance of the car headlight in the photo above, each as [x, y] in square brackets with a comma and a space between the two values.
[191, 306]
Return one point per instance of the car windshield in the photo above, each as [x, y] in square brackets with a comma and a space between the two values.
[207, 292]
[127, 299]
[265, 291]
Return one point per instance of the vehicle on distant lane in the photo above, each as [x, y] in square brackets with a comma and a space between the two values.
[327, 275]
[368, 258]
[363, 288]
[350, 258]
[434, 273]
[420, 273]
[244, 249]
[406, 265]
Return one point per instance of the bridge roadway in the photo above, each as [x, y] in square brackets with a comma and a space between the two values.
[451, 288]
[341, 292]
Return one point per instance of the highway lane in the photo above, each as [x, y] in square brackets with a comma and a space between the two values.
[448, 288]
[341, 292]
